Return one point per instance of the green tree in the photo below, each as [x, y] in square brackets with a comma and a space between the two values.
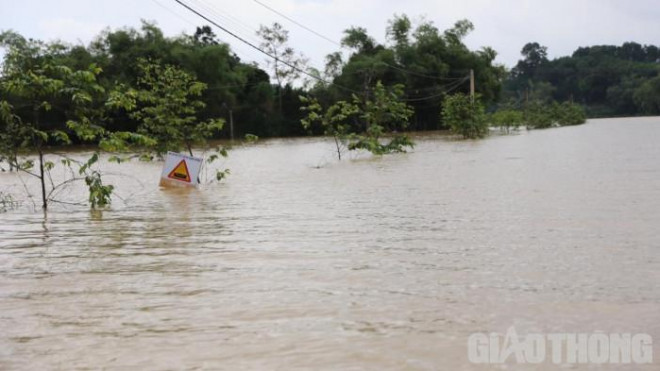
[538, 115]
[602, 79]
[10, 135]
[50, 102]
[542, 115]
[359, 40]
[507, 119]
[465, 116]
[362, 124]
[382, 114]
[568, 114]
[398, 31]
[335, 121]
[286, 64]
[32, 77]
[647, 96]
[428, 62]
[534, 56]
[166, 105]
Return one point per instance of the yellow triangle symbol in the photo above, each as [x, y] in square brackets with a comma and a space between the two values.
[180, 172]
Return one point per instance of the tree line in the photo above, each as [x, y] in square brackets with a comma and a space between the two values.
[427, 62]
[137, 93]
[607, 80]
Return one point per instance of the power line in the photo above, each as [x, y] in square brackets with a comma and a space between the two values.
[251, 29]
[340, 45]
[297, 23]
[228, 18]
[173, 13]
[184, 19]
[454, 86]
[295, 68]
[421, 74]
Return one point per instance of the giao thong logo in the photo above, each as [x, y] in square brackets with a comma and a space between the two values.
[560, 348]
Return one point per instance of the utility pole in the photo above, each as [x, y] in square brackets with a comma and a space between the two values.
[231, 120]
[472, 85]
[231, 124]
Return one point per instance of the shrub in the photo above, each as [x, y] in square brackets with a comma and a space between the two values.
[464, 116]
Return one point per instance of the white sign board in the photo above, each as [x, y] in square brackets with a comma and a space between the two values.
[180, 169]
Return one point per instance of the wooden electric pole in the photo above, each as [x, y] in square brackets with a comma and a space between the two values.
[231, 120]
[231, 124]
[472, 85]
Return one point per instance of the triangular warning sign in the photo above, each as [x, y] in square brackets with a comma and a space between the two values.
[180, 172]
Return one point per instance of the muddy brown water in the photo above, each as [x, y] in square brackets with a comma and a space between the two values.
[298, 261]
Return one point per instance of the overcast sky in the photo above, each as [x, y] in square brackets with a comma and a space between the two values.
[505, 25]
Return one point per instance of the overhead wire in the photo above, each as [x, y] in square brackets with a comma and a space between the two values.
[297, 23]
[252, 30]
[157, 2]
[184, 19]
[340, 45]
[228, 18]
[243, 40]
[450, 87]
[240, 28]
[455, 86]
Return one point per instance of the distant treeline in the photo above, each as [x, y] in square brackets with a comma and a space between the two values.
[607, 80]
[429, 63]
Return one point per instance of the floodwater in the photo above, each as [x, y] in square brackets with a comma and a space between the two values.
[298, 261]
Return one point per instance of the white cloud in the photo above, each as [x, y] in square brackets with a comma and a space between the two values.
[69, 29]
[505, 25]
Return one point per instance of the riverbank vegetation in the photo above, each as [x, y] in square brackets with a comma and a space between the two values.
[138, 91]
[46, 102]
[607, 80]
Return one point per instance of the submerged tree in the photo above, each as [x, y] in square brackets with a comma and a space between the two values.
[361, 124]
[507, 119]
[166, 105]
[44, 88]
[465, 116]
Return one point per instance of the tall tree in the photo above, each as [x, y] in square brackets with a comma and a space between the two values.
[286, 64]
[43, 89]
[167, 103]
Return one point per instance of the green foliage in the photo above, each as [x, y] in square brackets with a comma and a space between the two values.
[167, 104]
[251, 138]
[426, 60]
[385, 109]
[538, 115]
[465, 116]
[34, 77]
[335, 121]
[606, 80]
[12, 134]
[567, 114]
[7, 202]
[541, 116]
[219, 152]
[647, 96]
[221, 174]
[507, 119]
[99, 194]
[123, 141]
[360, 124]
[287, 64]
[372, 143]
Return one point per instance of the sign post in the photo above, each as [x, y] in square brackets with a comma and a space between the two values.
[180, 170]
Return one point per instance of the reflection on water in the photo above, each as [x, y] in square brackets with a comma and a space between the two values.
[299, 261]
